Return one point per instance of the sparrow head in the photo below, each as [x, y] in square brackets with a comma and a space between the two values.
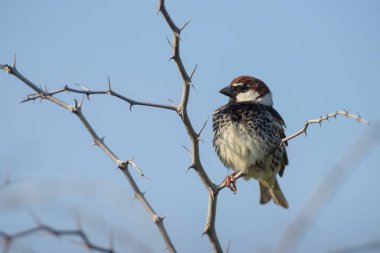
[248, 88]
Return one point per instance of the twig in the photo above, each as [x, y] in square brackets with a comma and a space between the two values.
[345, 113]
[328, 186]
[8, 239]
[122, 165]
[88, 93]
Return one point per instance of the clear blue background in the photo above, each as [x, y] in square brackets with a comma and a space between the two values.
[316, 56]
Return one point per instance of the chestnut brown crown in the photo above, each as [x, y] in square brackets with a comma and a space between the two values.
[248, 88]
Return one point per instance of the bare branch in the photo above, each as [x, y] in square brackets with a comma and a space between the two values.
[8, 239]
[88, 92]
[76, 109]
[193, 135]
[328, 186]
[358, 118]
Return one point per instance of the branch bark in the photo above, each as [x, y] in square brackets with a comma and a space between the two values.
[123, 165]
[194, 136]
[9, 238]
[181, 110]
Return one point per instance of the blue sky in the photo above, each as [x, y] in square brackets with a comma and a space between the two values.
[316, 57]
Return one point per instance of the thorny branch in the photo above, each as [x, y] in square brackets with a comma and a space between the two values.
[123, 165]
[345, 113]
[196, 164]
[181, 110]
[88, 93]
[7, 239]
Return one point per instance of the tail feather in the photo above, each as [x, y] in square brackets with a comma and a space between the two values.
[274, 192]
[265, 195]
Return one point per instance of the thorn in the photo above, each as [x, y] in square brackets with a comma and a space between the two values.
[164, 217]
[192, 166]
[102, 139]
[36, 218]
[82, 87]
[172, 102]
[188, 151]
[130, 106]
[187, 22]
[109, 83]
[135, 167]
[203, 127]
[76, 103]
[14, 62]
[81, 102]
[172, 58]
[167, 39]
[206, 232]
[193, 72]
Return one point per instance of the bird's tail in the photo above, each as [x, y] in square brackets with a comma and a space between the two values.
[274, 192]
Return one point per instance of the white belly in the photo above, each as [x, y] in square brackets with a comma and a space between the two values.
[239, 150]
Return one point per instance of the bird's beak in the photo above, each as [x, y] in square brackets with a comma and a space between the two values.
[228, 91]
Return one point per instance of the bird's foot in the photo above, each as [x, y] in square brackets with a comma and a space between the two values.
[230, 182]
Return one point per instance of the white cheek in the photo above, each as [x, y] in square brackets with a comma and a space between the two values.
[250, 95]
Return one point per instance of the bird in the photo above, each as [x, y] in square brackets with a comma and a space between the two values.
[248, 135]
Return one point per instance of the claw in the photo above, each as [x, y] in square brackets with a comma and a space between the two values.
[230, 182]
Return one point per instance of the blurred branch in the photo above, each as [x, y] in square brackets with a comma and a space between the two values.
[8, 239]
[6, 182]
[372, 245]
[326, 189]
[121, 164]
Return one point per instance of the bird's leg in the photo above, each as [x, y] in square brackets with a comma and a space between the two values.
[230, 182]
